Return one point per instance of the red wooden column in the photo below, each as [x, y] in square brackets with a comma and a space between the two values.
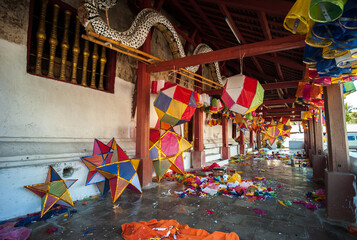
[319, 145]
[234, 130]
[306, 142]
[225, 147]
[143, 117]
[339, 181]
[318, 159]
[259, 140]
[241, 143]
[251, 139]
[311, 139]
[198, 156]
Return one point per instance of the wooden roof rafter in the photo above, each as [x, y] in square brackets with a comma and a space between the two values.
[259, 5]
[227, 14]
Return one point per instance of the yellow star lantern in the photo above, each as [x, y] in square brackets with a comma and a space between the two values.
[166, 151]
[53, 191]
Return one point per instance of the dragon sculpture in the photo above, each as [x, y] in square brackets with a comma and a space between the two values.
[136, 35]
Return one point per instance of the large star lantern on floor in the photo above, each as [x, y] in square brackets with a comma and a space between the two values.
[53, 191]
[102, 154]
[166, 151]
[121, 173]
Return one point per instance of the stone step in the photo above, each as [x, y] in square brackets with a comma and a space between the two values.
[213, 157]
[212, 150]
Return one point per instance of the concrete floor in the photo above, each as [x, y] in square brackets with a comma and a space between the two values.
[103, 218]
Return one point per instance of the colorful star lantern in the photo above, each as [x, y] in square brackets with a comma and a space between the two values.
[166, 152]
[121, 173]
[258, 124]
[53, 191]
[243, 124]
[238, 118]
[271, 134]
[175, 105]
[242, 94]
[102, 154]
[305, 124]
[285, 128]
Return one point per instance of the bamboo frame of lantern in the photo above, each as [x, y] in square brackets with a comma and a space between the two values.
[76, 50]
[53, 40]
[85, 63]
[95, 58]
[41, 37]
[140, 55]
[65, 45]
[103, 61]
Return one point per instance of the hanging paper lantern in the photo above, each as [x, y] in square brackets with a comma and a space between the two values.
[326, 10]
[243, 124]
[242, 94]
[305, 124]
[323, 81]
[306, 115]
[285, 128]
[271, 134]
[314, 41]
[312, 91]
[156, 86]
[175, 105]
[330, 30]
[205, 100]
[348, 18]
[348, 87]
[298, 20]
[166, 152]
[216, 106]
[312, 55]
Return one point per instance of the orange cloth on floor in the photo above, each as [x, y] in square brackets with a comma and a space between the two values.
[157, 229]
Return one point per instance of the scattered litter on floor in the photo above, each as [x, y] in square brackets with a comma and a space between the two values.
[51, 230]
[169, 229]
[281, 202]
[35, 217]
[89, 232]
[9, 231]
[209, 212]
[352, 229]
[259, 211]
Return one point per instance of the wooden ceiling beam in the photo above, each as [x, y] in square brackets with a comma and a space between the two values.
[281, 110]
[283, 61]
[278, 101]
[298, 115]
[188, 16]
[205, 18]
[227, 14]
[277, 7]
[187, 38]
[158, 4]
[247, 50]
[286, 84]
[268, 86]
[267, 34]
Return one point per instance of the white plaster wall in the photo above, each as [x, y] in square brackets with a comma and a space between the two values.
[45, 122]
[212, 136]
